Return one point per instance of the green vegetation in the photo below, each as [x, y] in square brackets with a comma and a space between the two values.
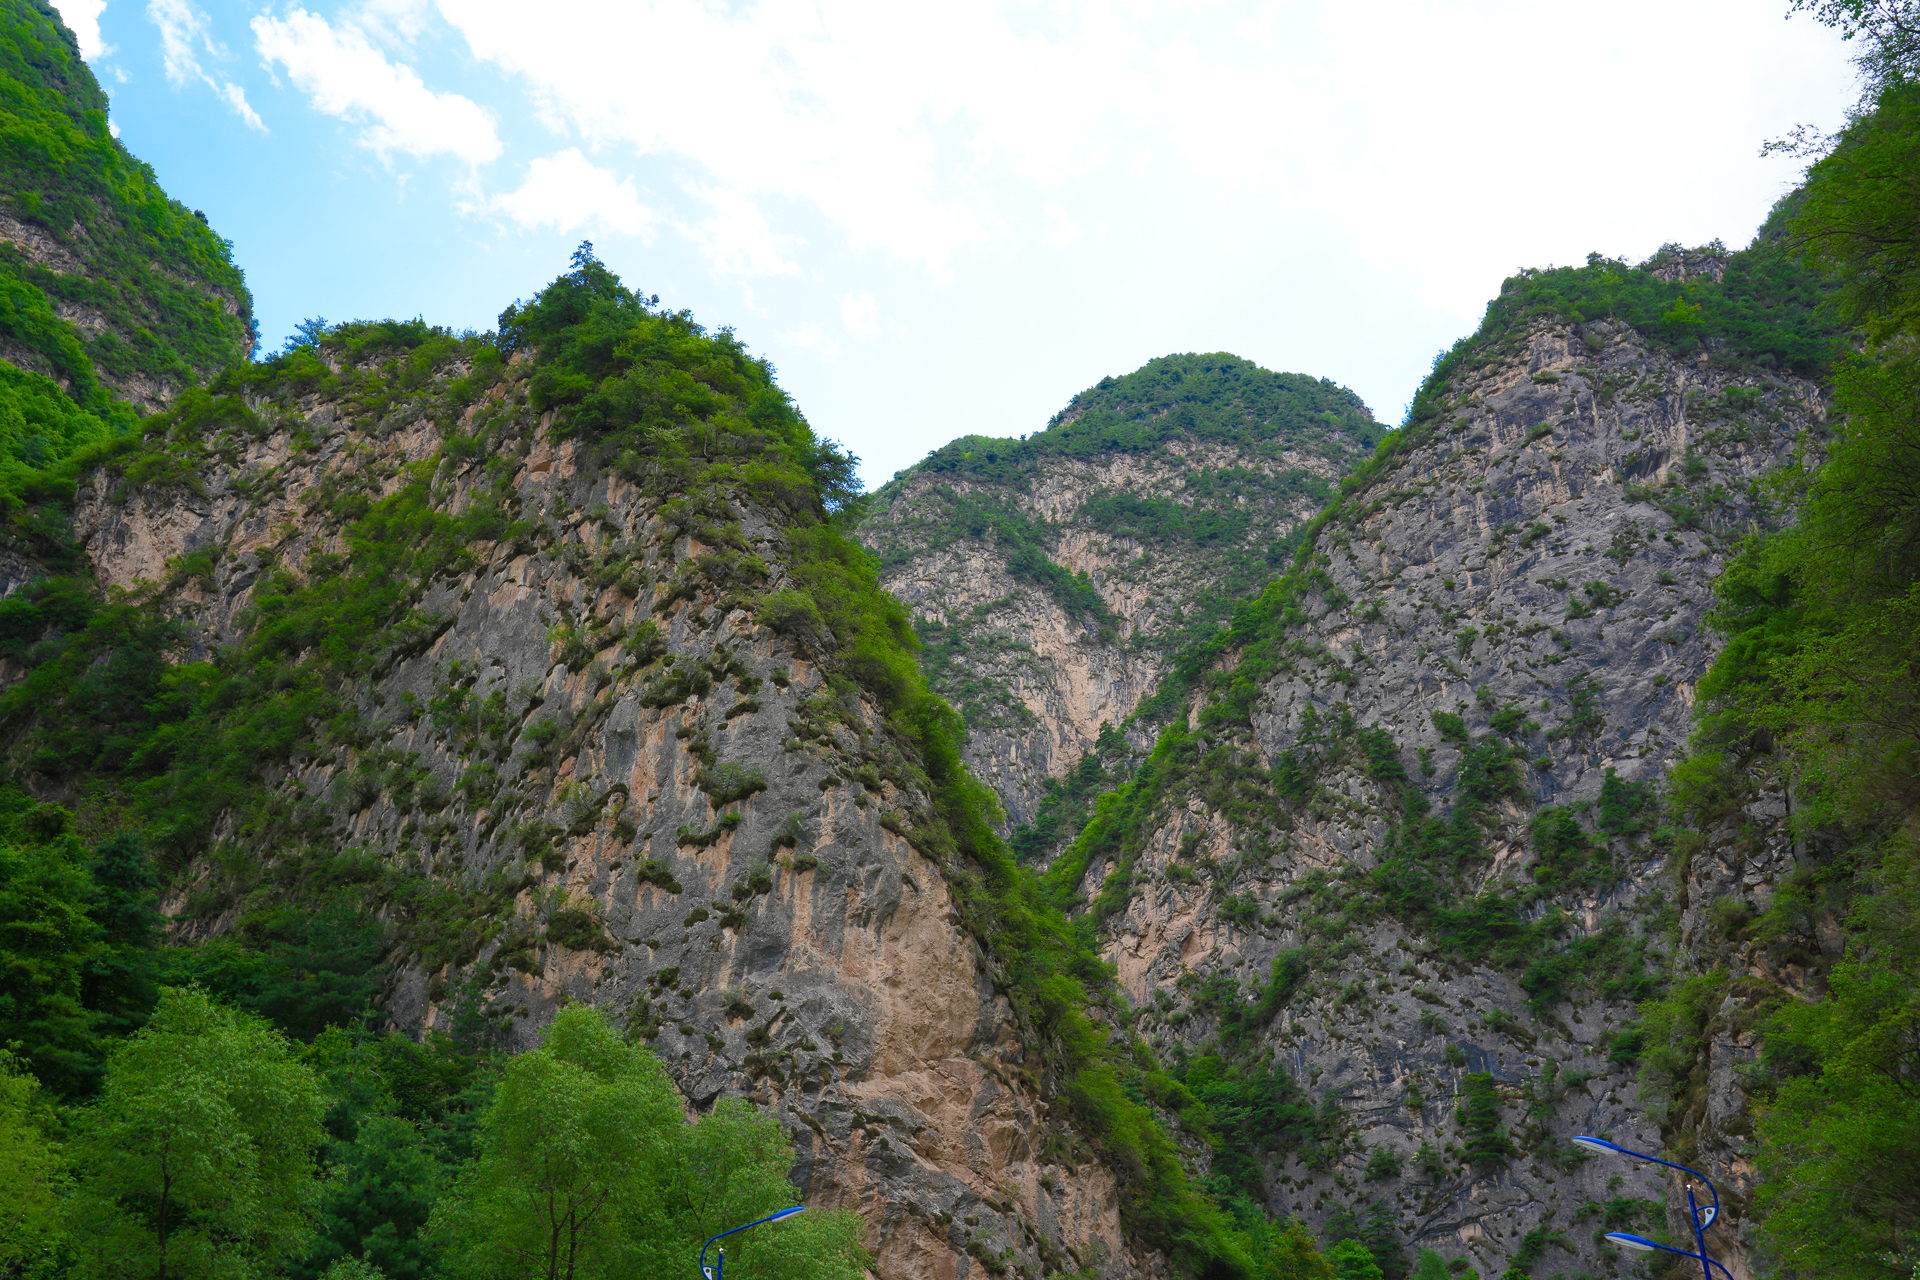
[584, 1168]
[100, 225]
[1815, 687]
[199, 1159]
[1217, 522]
[1216, 397]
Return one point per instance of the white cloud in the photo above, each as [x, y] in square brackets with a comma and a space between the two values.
[236, 97]
[345, 76]
[83, 18]
[1061, 228]
[567, 191]
[181, 28]
[179, 25]
[920, 131]
[811, 337]
[736, 239]
[860, 313]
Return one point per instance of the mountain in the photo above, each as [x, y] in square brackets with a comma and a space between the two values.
[1387, 808]
[493, 656]
[1406, 844]
[115, 296]
[107, 279]
[1051, 577]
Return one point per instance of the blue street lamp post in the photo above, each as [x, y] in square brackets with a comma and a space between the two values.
[1702, 1218]
[720, 1260]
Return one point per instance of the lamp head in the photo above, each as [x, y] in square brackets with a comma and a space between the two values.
[1633, 1242]
[1707, 1215]
[1595, 1144]
[787, 1213]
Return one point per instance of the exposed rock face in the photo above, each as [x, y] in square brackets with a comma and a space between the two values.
[1167, 495]
[701, 834]
[1538, 567]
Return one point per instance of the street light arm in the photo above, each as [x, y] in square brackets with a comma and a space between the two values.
[784, 1213]
[1685, 1253]
[1641, 1155]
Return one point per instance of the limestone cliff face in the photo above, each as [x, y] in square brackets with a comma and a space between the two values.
[1052, 579]
[1538, 567]
[696, 828]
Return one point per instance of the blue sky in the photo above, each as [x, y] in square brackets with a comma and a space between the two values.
[946, 219]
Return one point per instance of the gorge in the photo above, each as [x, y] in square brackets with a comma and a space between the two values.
[1211, 830]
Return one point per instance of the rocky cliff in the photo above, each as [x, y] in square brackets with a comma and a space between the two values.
[1408, 844]
[546, 660]
[389, 621]
[1051, 577]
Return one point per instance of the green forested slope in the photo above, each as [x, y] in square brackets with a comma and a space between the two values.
[112, 295]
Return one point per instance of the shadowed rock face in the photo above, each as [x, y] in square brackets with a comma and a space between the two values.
[703, 836]
[1539, 567]
[1169, 493]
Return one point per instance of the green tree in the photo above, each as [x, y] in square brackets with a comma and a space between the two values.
[198, 1159]
[47, 940]
[33, 1238]
[1429, 1265]
[1841, 1144]
[1291, 1255]
[1353, 1261]
[587, 1169]
[1487, 1143]
[732, 1167]
[376, 1204]
[561, 1175]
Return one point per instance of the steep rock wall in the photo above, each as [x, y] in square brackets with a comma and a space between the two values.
[701, 832]
[1173, 500]
[1458, 583]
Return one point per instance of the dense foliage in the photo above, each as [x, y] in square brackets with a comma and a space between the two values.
[109, 291]
[1818, 686]
[219, 1147]
[78, 194]
[1216, 397]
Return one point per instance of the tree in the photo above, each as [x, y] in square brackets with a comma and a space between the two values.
[1890, 28]
[561, 1174]
[47, 941]
[732, 1167]
[586, 1169]
[199, 1156]
[1840, 1144]
[1352, 1261]
[376, 1205]
[33, 1241]
[1291, 1255]
[1479, 1115]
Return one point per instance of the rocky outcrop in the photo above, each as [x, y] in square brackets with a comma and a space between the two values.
[1160, 527]
[665, 809]
[1525, 585]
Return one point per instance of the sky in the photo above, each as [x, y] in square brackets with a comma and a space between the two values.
[945, 219]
